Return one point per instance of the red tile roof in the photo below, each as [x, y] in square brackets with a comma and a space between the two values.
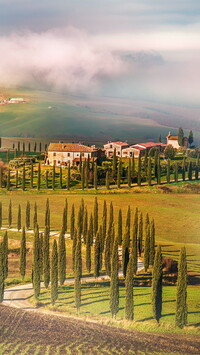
[175, 138]
[69, 147]
[149, 145]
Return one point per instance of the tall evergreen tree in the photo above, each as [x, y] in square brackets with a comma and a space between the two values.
[168, 171]
[87, 168]
[23, 178]
[129, 303]
[91, 230]
[149, 174]
[152, 243]
[104, 221]
[125, 250]
[41, 241]
[1, 215]
[95, 176]
[17, 179]
[47, 179]
[190, 171]
[5, 255]
[35, 216]
[22, 265]
[129, 173]
[108, 248]
[181, 297]
[97, 256]
[176, 172]
[88, 252]
[47, 214]
[74, 248]
[190, 138]
[72, 222]
[77, 274]
[95, 214]
[61, 179]
[61, 258]
[83, 176]
[135, 242]
[1, 274]
[120, 227]
[139, 171]
[1, 177]
[28, 217]
[114, 282]
[158, 170]
[85, 225]
[10, 214]
[53, 177]
[8, 180]
[54, 273]
[36, 263]
[160, 139]
[157, 285]
[147, 249]
[114, 167]
[119, 168]
[68, 176]
[180, 136]
[128, 219]
[31, 175]
[107, 180]
[39, 177]
[196, 172]
[132, 165]
[46, 258]
[19, 219]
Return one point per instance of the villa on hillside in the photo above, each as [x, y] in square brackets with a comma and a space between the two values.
[173, 140]
[70, 153]
[141, 148]
[111, 146]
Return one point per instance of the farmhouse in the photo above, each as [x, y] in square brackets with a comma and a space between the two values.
[173, 140]
[140, 148]
[111, 146]
[69, 153]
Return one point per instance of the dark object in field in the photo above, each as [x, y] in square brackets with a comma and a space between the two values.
[170, 266]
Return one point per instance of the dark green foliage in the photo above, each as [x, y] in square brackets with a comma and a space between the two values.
[1, 274]
[78, 273]
[145, 162]
[87, 168]
[196, 172]
[128, 219]
[47, 179]
[129, 303]
[132, 165]
[61, 180]
[28, 217]
[39, 177]
[139, 171]
[158, 170]
[88, 253]
[95, 176]
[119, 168]
[114, 283]
[23, 178]
[169, 152]
[168, 171]
[129, 173]
[36, 263]
[83, 176]
[104, 222]
[10, 214]
[152, 243]
[19, 219]
[41, 238]
[135, 242]
[5, 255]
[149, 174]
[68, 177]
[108, 251]
[190, 138]
[91, 230]
[125, 250]
[35, 216]
[114, 167]
[190, 170]
[72, 222]
[147, 248]
[157, 285]
[54, 273]
[61, 258]
[181, 297]
[31, 177]
[74, 248]
[1, 215]
[96, 215]
[176, 172]
[53, 177]
[97, 256]
[160, 139]
[140, 235]
[107, 180]
[8, 180]
[16, 179]
[46, 258]
[85, 225]
[1, 177]
[119, 230]
[47, 215]
[180, 136]
[22, 264]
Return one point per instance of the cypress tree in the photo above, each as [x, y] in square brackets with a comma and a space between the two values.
[107, 180]
[108, 250]
[129, 303]
[95, 176]
[64, 221]
[16, 179]
[190, 171]
[125, 250]
[139, 171]
[181, 296]
[53, 177]
[61, 180]
[72, 222]
[5, 255]
[83, 176]
[36, 263]
[47, 179]
[128, 219]
[54, 273]
[19, 219]
[62, 258]
[132, 165]
[156, 154]
[176, 172]
[39, 177]
[168, 171]
[28, 211]
[149, 177]
[1, 274]
[10, 214]
[147, 249]
[8, 180]
[46, 258]
[183, 169]
[104, 221]
[140, 235]
[46, 222]
[157, 285]
[22, 265]
[152, 243]
[158, 170]
[114, 167]
[134, 242]
[23, 178]
[91, 230]
[114, 282]
[97, 256]
[190, 138]
[87, 168]
[95, 214]
[85, 226]
[119, 168]
[145, 162]
[68, 177]
[74, 248]
[23, 148]
[129, 173]
[88, 252]
[196, 172]
[41, 241]
[77, 275]
[1, 177]
[1, 215]
[35, 216]
[180, 136]
[147, 222]
[120, 227]
[31, 177]
[29, 146]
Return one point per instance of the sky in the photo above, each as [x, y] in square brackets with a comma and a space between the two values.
[142, 49]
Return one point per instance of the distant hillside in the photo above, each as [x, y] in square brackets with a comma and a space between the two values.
[94, 119]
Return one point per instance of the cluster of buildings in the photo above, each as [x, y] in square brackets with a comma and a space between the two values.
[72, 153]
[11, 100]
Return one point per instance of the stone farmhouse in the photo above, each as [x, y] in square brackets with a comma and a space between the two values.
[70, 153]
[141, 148]
[173, 140]
[111, 146]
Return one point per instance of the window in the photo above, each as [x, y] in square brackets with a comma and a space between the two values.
[68, 154]
[54, 154]
[110, 145]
